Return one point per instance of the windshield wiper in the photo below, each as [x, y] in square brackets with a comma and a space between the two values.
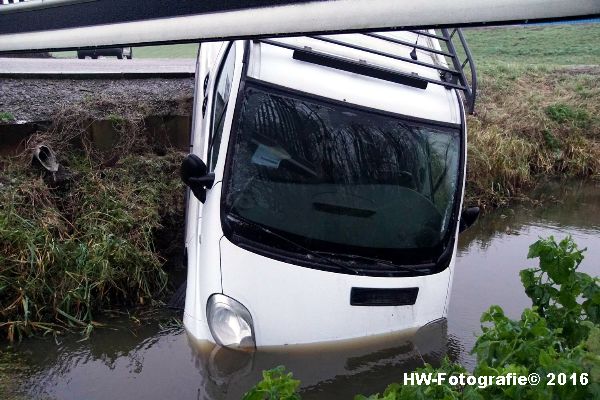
[309, 252]
[408, 268]
[447, 253]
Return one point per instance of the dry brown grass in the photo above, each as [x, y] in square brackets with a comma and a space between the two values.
[71, 129]
[532, 123]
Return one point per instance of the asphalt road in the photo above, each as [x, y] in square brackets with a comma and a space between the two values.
[100, 68]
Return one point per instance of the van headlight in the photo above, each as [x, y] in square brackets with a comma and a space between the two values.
[230, 322]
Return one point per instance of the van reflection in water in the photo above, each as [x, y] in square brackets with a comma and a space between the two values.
[342, 369]
[147, 362]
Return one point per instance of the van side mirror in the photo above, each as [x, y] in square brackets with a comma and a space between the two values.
[468, 218]
[195, 176]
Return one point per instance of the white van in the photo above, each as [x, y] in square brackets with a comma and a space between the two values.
[327, 175]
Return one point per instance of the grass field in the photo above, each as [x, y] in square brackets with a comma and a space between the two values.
[538, 108]
[172, 51]
[536, 45]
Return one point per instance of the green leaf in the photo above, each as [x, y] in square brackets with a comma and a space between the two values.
[545, 360]
[275, 385]
[527, 278]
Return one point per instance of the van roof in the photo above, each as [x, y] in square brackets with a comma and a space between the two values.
[270, 62]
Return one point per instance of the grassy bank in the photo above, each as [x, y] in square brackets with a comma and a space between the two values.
[83, 239]
[538, 110]
[532, 123]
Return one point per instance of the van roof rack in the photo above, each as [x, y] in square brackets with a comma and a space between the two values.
[453, 76]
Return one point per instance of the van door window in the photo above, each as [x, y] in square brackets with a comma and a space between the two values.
[220, 99]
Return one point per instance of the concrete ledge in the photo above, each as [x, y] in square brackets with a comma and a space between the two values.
[103, 68]
[95, 75]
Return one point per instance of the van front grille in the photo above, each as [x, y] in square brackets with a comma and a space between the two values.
[383, 297]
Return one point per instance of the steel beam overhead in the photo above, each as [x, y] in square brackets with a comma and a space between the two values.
[43, 25]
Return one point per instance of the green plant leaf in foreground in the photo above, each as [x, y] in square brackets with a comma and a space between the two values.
[557, 289]
[275, 385]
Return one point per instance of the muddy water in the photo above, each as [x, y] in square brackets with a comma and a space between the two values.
[148, 362]
[491, 254]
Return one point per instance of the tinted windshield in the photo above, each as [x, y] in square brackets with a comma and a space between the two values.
[338, 179]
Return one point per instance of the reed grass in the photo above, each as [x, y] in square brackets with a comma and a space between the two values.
[82, 240]
[532, 123]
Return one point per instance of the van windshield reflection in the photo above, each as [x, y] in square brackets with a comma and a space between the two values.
[339, 179]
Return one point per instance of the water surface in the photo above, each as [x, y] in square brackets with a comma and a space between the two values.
[146, 362]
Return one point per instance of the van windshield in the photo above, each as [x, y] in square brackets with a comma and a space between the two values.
[340, 180]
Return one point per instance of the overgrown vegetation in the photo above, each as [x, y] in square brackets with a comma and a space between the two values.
[531, 124]
[82, 239]
[537, 110]
[559, 335]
